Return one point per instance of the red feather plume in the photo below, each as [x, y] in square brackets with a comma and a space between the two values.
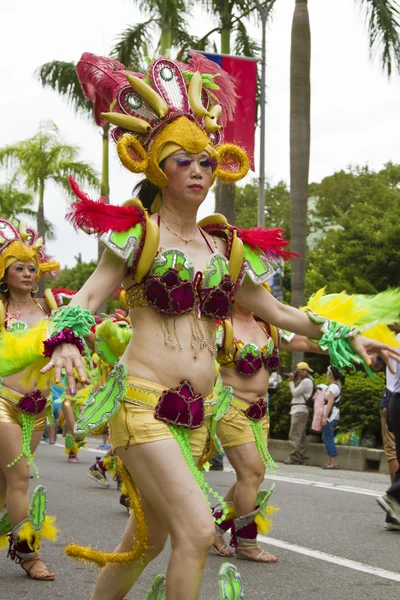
[269, 241]
[101, 78]
[98, 217]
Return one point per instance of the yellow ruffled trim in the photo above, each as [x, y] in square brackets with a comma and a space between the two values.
[140, 539]
[3, 542]
[264, 525]
[33, 538]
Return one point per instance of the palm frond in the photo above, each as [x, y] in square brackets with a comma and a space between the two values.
[133, 45]
[61, 77]
[383, 19]
[244, 45]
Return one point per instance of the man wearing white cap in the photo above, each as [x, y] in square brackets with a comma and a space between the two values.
[299, 411]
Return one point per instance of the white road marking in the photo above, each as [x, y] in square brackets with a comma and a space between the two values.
[96, 450]
[320, 484]
[331, 558]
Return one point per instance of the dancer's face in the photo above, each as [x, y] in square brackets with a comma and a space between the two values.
[189, 177]
[21, 276]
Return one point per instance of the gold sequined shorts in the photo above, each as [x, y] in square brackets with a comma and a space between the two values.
[234, 429]
[135, 422]
[9, 412]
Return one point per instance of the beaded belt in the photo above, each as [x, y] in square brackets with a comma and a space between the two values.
[254, 411]
[149, 396]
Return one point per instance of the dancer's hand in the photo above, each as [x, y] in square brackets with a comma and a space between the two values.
[365, 346]
[68, 357]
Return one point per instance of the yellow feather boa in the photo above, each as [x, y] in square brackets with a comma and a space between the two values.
[33, 538]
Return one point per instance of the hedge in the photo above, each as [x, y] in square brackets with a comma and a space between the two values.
[361, 398]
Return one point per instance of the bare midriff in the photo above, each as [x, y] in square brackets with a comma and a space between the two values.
[246, 388]
[149, 357]
[20, 384]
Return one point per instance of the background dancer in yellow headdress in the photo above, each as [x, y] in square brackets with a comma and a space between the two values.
[24, 396]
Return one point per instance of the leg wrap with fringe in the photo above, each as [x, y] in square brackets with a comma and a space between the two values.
[246, 528]
[140, 540]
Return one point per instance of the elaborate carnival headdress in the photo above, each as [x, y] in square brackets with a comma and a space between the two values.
[20, 243]
[172, 106]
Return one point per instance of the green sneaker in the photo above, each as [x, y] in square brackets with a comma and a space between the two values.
[156, 592]
[230, 583]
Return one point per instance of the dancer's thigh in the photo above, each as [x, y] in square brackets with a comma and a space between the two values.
[246, 460]
[163, 478]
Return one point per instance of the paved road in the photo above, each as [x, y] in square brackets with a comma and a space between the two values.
[328, 535]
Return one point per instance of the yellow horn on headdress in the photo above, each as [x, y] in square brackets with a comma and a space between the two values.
[127, 122]
[150, 95]
[37, 244]
[211, 125]
[22, 231]
[194, 92]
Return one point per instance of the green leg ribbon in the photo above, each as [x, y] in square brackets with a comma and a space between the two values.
[28, 422]
[230, 583]
[223, 399]
[69, 442]
[181, 436]
[156, 591]
[37, 508]
[267, 459]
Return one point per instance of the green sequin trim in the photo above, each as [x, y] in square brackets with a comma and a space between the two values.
[230, 583]
[27, 423]
[182, 437]
[265, 456]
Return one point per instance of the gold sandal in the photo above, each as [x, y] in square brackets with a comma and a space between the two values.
[44, 575]
[263, 556]
[224, 550]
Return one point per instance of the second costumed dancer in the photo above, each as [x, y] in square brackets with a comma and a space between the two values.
[179, 277]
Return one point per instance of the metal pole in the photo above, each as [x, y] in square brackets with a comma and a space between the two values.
[264, 12]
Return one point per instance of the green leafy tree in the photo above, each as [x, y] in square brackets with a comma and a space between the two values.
[357, 217]
[45, 158]
[73, 278]
[277, 206]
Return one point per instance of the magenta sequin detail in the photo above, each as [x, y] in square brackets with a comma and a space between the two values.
[32, 404]
[65, 336]
[170, 295]
[216, 302]
[180, 406]
[249, 364]
[257, 410]
[272, 362]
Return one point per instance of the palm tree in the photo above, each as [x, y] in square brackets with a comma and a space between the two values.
[15, 204]
[44, 158]
[61, 77]
[165, 18]
[383, 18]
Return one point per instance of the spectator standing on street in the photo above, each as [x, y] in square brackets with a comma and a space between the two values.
[390, 502]
[331, 415]
[299, 411]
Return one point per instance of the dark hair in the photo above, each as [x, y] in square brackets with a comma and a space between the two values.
[338, 375]
[146, 192]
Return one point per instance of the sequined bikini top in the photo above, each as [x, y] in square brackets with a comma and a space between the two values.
[12, 319]
[245, 357]
[172, 287]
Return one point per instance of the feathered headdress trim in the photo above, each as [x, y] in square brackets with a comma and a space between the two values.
[98, 217]
[269, 241]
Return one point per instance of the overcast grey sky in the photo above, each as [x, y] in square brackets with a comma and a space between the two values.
[355, 109]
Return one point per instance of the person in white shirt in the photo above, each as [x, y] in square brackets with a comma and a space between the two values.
[331, 415]
[299, 412]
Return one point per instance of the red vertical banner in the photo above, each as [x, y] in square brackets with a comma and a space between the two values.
[241, 130]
